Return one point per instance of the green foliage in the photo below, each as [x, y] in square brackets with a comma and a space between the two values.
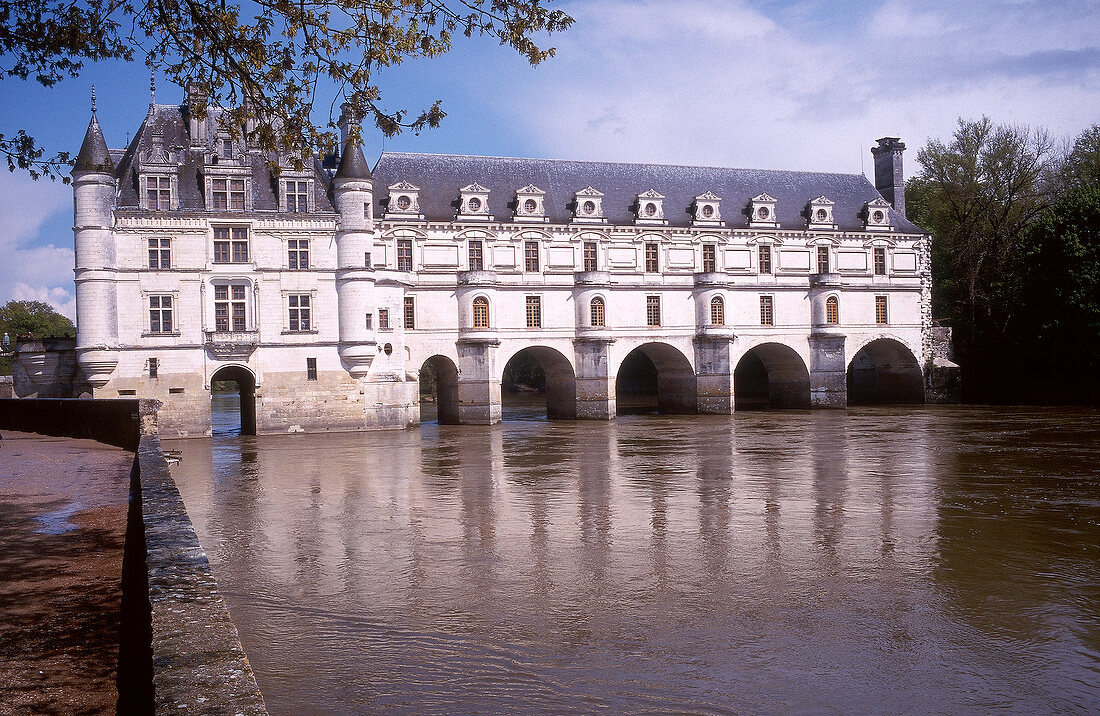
[266, 59]
[1015, 262]
[18, 318]
[523, 372]
[1058, 334]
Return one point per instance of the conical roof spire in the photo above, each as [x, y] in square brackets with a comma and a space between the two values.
[353, 165]
[94, 156]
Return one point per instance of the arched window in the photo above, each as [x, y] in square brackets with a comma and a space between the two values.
[596, 312]
[832, 311]
[717, 311]
[481, 312]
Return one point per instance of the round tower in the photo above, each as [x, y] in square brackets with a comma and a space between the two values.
[353, 197]
[94, 245]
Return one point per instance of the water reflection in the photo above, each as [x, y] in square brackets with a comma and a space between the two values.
[870, 560]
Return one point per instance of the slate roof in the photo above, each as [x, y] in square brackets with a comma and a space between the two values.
[93, 155]
[171, 121]
[354, 164]
[440, 176]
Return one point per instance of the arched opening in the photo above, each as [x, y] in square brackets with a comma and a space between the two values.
[771, 376]
[233, 401]
[717, 311]
[655, 377]
[535, 372]
[439, 390]
[884, 371]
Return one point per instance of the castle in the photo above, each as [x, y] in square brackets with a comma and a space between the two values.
[324, 292]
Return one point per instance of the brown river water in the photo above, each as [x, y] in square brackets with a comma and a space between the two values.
[875, 560]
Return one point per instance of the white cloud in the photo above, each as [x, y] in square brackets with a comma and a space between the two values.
[60, 299]
[724, 83]
[34, 241]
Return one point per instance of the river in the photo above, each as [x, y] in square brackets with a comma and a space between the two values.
[916, 559]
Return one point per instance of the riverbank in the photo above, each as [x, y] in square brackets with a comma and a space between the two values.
[63, 505]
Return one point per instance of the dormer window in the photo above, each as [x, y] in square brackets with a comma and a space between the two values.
[820, 212]
[762, 212]
[158, 176]
[530, 204]
[876, 215]
[473, 203]
[705, 210]
[588, 206]
[226, 148]
[404, 201]
[650, 208]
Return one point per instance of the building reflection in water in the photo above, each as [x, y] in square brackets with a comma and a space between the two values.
[801, 560]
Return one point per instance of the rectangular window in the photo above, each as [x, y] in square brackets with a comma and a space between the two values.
[534, 312]
[154, 368]
[230, 245]
[531, 256]
[227, 194]
[383, 319]
[404, 255]
[710, 261]
[160, 253]
[767, 311]
[298, 253]
[311, 369]
[652, 264]
[823, 259]
[160, 314]
[297, 195]
[653, 310]
[300, 312]
[590, 263]
[881, 315]
[476, 253]
[229, 307]
[158, 193]
[880, 261]
[765, 258]
[410, 313]
[370, 322]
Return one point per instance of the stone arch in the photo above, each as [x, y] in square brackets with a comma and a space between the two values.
[246, 384]
[560, 380]
[884, 370]
[444, 372]
[771, 375]
[674, 379]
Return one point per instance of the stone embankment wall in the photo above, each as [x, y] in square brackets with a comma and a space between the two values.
[180, 652]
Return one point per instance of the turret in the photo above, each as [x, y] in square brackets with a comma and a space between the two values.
[94, 244]
[353, 197]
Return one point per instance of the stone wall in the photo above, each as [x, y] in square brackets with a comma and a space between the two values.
[6, 387]
[179, 652]
[116, 422]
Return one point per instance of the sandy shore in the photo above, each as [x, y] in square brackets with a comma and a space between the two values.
[62, 528]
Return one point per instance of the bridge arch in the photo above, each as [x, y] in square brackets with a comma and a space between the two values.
[439, 383]
[557, 380]
[883, 371]
[771, 375]
[660, 370]
[245, 381]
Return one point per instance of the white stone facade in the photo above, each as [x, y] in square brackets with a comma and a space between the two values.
[333, 306]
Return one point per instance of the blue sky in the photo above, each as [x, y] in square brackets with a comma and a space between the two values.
[782, 84]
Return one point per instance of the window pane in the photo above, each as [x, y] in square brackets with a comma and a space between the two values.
[653, 310]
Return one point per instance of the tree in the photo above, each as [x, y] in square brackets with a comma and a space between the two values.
[267, 60]
[18, 318]
[1058, 335]
[1082, 164]
[978, 195]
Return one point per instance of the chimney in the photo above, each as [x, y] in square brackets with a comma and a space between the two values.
[348, 118]
[196, 97]
[889, 179]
